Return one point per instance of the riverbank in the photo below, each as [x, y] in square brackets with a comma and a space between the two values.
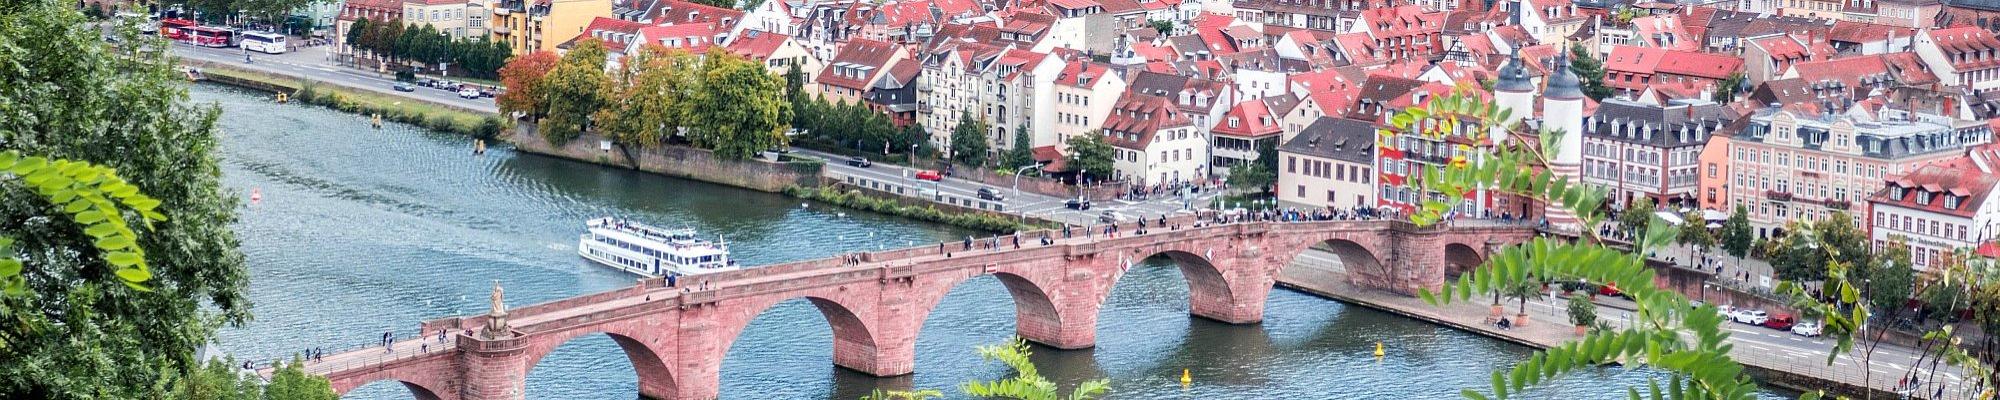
[1550, 327]
[963, 219]
[434, 116]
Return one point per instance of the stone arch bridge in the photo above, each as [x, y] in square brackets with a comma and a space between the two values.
[876, 302]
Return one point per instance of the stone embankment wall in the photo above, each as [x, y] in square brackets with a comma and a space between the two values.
[675, 161]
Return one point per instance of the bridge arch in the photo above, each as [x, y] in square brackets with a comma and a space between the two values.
[656, 377]
[854, 338]
[417, 390]
[1036, 316]
[1209, 292]
[1354, 257]
[1460, 258]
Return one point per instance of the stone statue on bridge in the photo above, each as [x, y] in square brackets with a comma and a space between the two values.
[496, 326]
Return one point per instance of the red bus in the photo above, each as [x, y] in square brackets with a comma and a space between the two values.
[205, 36]
[175, 29]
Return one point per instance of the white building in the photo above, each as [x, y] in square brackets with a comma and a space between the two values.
[1964, 56]
[1154, 144]
[1938, 207]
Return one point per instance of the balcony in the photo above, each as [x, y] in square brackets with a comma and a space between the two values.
[502, 30]
[924, 107]
[1774, 195]
[1836, 204]
[502, 11]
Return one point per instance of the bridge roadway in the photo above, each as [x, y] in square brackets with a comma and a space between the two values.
[876, 302]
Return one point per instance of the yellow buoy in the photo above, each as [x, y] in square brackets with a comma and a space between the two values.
[1186, 377]
[1378, 350]
[378, 121]
[282, 97]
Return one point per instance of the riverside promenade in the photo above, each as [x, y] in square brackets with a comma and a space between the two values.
[1779, 358]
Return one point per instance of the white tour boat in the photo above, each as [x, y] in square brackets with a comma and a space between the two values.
[651, 251]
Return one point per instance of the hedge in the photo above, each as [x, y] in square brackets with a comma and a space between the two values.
[856, 200]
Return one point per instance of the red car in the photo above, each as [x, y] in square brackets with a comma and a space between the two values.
[1781, 322]
[930, 175]
[1610, 289]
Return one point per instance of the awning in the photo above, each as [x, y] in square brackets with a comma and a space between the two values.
[1670, 217]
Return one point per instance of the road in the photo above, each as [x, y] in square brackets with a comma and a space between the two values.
[1033, 204]
[316, 64]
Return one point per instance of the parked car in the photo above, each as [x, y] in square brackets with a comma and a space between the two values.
[468, 93]
[1077, 204]
[930, 175]
[990, 194]
[1807, 329]
[405, 87]
[1781, 322]
[859, 161]
[1111, 217]
[1610, 289]
[1748, 316]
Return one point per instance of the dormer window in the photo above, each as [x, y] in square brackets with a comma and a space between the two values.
[1923, 197]
[1896, 191]
[1950, 202]
[1235, 122]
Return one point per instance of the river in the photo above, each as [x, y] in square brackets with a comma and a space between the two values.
[363, 231]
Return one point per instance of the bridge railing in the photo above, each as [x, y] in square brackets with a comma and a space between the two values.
[405, 348]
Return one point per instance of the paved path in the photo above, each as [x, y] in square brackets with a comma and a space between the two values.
[314, 63]
[1317, 272]
[1036, 205]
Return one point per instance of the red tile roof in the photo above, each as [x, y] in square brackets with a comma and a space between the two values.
[1959, 176]
[1634, 59]
[1252, 119]
[872, 54]
[757, 45]
[1137, 117]
[1968, 47]
[1698, 64]
[1082, 74]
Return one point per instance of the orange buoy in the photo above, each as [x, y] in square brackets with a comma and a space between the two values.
[256, 195]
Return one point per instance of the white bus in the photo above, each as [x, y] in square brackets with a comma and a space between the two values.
[265, 42]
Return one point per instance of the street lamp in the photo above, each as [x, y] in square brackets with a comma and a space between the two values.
[1017, 177]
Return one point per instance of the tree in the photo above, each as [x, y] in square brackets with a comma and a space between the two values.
[1521, 291]
[1582, 312]
[730, 4]
[290, 382]
[1890, 278]
[1695, 234]
[1164, 27]
[357, 32]
[218, 380]
[968, 140]
[76, 329]
[1590, 69]
[1736, 237]
[1689, 347]
[1089, 155]
[1797, 256]
[1252, 177]
[1637, 214]
[926, 394]
[740, 109]
[1027, 382]
[1839, 233]
[1726, 91]
[523, 77]
[576, 89]
[646, 103]
[1022, 154]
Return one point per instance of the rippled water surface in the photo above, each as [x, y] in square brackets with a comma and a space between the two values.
[362, 231]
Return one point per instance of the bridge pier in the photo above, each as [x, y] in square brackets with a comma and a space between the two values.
[495, 369]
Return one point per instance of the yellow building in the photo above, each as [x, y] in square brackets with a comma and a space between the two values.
[458, 18]
[535, 25]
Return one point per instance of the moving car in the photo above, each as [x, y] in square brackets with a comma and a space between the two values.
[1781, 322]
[859, 161]
[930, 175]
[990, 194]
[1807, 329]
[405, 87]
[1748, 316]
[468, 93]
[1077, 204]
[1111, 217]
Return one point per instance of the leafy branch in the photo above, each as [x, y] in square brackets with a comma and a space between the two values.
[1688, 343]
[92, 195]
[1027, 383]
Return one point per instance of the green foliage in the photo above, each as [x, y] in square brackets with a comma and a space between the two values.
[739, 109]
[1587, 66]
[1725, 92]
[1802, 254]
[576, 90]
[730, 4]
[1736, 237]
[1666, 335]
[1637, 214]
[968, 140]
[856, 200]
[94, 197]
[1089, 155]
[1252, 177]
[648, 97]
[1164, 27]
[1027, 383]
[524, 76]
[1694, 231]
[428, 45]
[75, 330]
[290, 382]
[1582, 312]
[1891, 277]
[1021, 154]
[218, 380]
